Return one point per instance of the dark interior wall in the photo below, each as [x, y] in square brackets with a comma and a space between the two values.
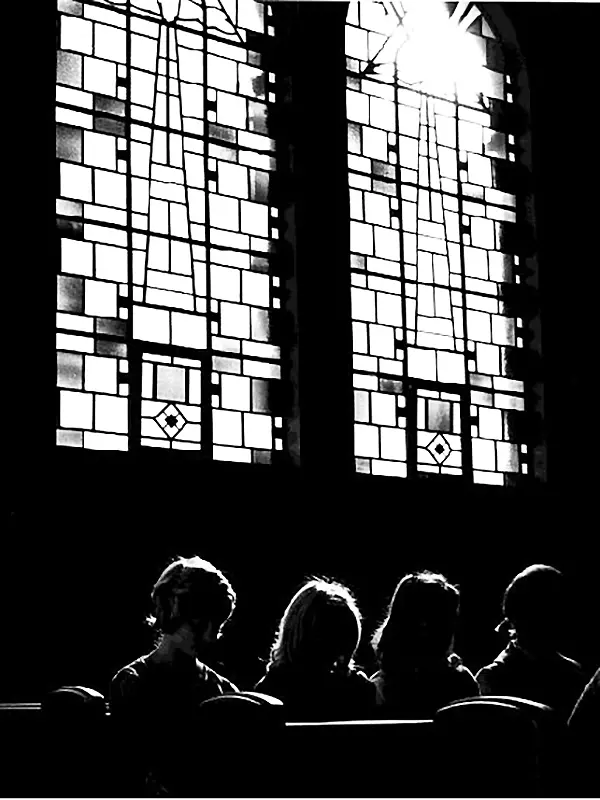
[90, 532]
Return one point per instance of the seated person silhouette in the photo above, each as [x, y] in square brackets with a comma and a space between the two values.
[418, 670]
[154, 699]
[584, 734]
[531, 666]
[311, 667]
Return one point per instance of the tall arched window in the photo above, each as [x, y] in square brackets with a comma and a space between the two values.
[168, 224]
[441, 259]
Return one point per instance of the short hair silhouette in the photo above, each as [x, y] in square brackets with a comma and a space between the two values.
[321, 627]
[420, 620]
[534, 601]
[201, 591]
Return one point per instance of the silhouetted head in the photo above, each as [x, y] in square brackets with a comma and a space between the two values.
[320, 628]
[420, 622]
[193, 597]
[534, 604]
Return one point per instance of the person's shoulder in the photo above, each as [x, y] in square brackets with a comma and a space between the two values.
[487, 676]
[462, 674]
[129, 680]
[132, 672]
[467, 679]
[569, 664]
[222, 684]
[502, 661]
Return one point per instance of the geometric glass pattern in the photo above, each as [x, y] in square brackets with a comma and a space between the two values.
[167, 219]
[436, 265]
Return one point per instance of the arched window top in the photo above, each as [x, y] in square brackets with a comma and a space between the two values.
[440, 48]
[441, 247]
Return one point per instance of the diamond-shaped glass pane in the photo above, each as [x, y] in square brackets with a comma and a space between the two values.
[439, 448]
[171, 420]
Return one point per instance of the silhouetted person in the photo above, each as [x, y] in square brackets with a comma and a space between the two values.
[418, 670]
[584, 730]
[531, 666]
[155, 698]
[311, 667]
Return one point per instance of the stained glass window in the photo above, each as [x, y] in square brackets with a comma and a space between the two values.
[167, 220]
[438, 260]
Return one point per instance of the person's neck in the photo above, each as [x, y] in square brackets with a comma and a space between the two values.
[168, 652]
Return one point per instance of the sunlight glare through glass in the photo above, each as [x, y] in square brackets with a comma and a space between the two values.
[436, 52]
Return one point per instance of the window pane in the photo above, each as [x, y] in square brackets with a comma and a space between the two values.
[429, 240]
[165, 154]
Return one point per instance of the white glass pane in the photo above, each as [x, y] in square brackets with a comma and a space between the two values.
[383, 409]
[393, 444]
[224, 212]
[75, 409]
[381, 341]
[361, 238]
[255, 219]
[490, 423]
[151, 324]
[110, 43]
[233, 180]
[99, 76]
[421, 363]
[478, 326]
[75, 181]
[111, 263]
[483, 455]
[76, 34]
[222, 73]
[231, 110]
[189, 330]
[366, 441]
[451, 367]
[258, 431]
[377, 210]
[227, 427]
[111, 413]
[77, 257]
[101, 374]
[100, 298]
[488, 359]
[225, 283]
[363, 304]
[375, 143]
[143, 52]
[359, 337]
[110, 188]
[482, 233]
[235, 320]
[389, 309]
[255, 288]
[235, 392]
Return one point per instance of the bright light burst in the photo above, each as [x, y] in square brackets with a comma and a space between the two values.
[432, 48]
